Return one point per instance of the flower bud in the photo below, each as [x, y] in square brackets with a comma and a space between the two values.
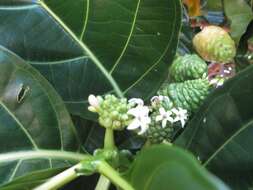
[93, 101]
[112, 111]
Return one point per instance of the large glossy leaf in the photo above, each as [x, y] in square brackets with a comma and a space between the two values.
[240, 15]
[169, 168]
[36, 132]
[220, 134]
[134, 40]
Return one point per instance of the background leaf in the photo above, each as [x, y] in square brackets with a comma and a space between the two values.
[135, 40]
[220, 134]
[168, 168]
[240, 14]
[36, 132]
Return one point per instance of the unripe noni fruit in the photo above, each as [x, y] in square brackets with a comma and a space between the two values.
[214, 44]
[188, 67]
[156, 133]
[188, 95]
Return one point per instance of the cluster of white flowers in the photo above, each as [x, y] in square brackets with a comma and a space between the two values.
[140, 112]
[179, 115]
[141, 116]
[142, 119]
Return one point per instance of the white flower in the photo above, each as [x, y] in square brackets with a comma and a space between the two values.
[164, 117]
[205, 76]
[137, 101]
[141, 120]
[159, 98]
[217, 82]
[94, 103]
[181, 115]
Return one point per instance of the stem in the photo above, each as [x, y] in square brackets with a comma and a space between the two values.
[109, 139]
[60, 179]
[109, 172]
[33, 154]
[103, 183]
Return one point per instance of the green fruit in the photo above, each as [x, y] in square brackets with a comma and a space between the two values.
[112, 112]
[156, 134]
[188, 95]
[187, 67]
[214, 44]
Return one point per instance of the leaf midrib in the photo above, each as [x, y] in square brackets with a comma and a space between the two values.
[85, 49]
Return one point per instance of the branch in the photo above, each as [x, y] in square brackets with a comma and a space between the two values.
[61, 179]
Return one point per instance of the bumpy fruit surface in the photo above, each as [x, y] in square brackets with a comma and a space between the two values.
[156, 133]
[214, 44]
[187, 67]
[113, 112]
[188, 95]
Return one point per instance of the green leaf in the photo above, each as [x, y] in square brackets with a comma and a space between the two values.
[165, 167]
[240, 14]
[32, 179]
[213, 5]
[220, 134]
[131, 41]
[36, 132]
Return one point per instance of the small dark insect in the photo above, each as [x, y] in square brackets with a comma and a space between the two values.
[22, 92]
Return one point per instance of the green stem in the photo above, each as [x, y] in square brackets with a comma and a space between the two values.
[109, 143]
[109, 139]
[103, 183]
[61, 179]
[109, 172]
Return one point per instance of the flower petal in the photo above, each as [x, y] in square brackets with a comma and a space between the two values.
[134, 125]
[134, 111]
[164, 123]
[154, 98]
[159, 118]
[93, 101]
[182, 123]
[162, 111]
[170, 119]
[175, 111]
[137, 101]
[143, 129]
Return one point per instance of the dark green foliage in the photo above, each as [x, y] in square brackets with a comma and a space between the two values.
[220, 134]
[164, 167]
